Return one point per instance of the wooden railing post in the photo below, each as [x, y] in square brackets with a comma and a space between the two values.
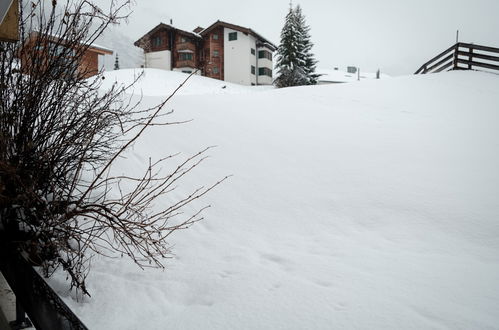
[456, 56]
[21, 321]
[470, 58]
[44, 307]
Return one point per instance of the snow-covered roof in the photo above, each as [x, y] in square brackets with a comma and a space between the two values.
[162, 26]
[99, 47]
[265, 41]
[57, 37]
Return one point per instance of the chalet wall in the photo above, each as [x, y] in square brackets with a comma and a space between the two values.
[213, 63]
[184, 45]
[89, 64]
[164, 44]
[238, 58]
[158, 60]
[253, 61]
[264, 63]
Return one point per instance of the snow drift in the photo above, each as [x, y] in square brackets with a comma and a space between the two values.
[371, 206]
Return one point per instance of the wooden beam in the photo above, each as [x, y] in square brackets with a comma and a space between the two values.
[478, 47]
[9, 27]
[482, 56]
[436, 65]
[479, 64]
[447, 66]
[436, 58]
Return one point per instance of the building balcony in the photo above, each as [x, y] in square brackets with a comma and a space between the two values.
[186, 46]
[185, 64]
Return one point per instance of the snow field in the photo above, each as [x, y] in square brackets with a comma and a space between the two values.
[362, 206]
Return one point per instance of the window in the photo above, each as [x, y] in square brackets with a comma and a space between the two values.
[264, 72]
[215, 36]
[185, 56]
[252, 69]
[265, 54]
[187, 71]
[215, 69]
[252, 51]
[232, 36]
[183, 39]
[215, 53]
[156, 41]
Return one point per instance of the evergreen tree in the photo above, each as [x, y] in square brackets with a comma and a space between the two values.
[116, 63]
[305, 47]
[295, 62]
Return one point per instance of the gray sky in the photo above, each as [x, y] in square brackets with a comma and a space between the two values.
[396, 36]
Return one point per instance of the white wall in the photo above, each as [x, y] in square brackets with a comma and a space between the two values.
[159, 60]
[253, 61]
[102, 63]
[238, 58]
[265, 63]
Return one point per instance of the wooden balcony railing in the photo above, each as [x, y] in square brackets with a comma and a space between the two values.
[34, 296]
[463, 56]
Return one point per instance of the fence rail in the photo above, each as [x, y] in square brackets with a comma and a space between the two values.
[462, 56]
[44, 307]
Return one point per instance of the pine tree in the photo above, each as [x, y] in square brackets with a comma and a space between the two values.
[305, 47]
[295, 62]
[116, 63]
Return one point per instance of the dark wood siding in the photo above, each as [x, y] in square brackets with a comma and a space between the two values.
[185, 44]
[213, 63]
[164, 41]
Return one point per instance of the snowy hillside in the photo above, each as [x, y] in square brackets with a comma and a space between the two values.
[343, 76]
[372, 205]
[156, 82]
[121, 44]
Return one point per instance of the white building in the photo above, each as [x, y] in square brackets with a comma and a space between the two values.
[222, 51]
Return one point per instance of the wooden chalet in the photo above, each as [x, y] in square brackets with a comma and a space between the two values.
[222, 51]
[38, 49]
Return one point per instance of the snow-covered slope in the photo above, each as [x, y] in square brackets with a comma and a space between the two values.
[361, 206]
[156, 82]
[341, 76]
[121, 44]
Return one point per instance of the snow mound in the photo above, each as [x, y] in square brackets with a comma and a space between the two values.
[156, 82]
[372, 205]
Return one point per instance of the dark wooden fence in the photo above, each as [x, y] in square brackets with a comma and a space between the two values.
[44, 307]
[463, 56]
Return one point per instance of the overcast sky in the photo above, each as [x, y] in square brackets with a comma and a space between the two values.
[396, 36]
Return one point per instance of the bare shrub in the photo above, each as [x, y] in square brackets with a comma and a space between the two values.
[59, 136]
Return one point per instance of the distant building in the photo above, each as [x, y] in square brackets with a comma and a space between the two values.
[222, 51]
[88, 64]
